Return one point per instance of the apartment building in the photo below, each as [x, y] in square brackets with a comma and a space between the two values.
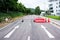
[54, 7]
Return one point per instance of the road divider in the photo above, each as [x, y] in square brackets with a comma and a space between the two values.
[10, 33]
[48, 33]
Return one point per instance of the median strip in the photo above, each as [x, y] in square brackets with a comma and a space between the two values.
[10, 33]
[48, 33]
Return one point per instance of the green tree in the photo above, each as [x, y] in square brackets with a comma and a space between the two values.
[8, 4]
[21, 7]
[28, 11]
[37, 10]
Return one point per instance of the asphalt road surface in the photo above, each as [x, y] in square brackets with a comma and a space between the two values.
[29, 30]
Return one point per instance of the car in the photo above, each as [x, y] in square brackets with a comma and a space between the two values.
[41, 20]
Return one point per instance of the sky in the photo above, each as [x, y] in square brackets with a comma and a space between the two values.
[43, 4]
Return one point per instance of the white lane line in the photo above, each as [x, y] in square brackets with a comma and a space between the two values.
[55, 25]
[48, 33]
[10, 33]
[28, 38]
[55, 22]
[17, 27]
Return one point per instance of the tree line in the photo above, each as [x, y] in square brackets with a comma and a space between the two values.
[11, 9]
[12, 5]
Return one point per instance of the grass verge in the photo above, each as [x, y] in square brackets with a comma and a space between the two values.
[12, 16]
[54, 17]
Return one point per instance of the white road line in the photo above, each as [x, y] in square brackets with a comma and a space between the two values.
[55, 25]
[17, 27]
[28, 38]
[10, 33]
[56, 22]
[48, 33]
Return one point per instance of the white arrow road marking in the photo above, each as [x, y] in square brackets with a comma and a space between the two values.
[48, 33]
[28, 38]
[10, 33]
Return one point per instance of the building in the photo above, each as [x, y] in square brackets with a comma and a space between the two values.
[54, 7]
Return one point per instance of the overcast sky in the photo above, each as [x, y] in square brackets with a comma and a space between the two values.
[33, 3]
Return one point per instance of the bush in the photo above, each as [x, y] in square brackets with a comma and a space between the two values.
[3, 16]
[1, 19]
[9, 15]
[15, 14]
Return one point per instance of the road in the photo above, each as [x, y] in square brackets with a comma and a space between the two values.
[56, 21]
[29, 30]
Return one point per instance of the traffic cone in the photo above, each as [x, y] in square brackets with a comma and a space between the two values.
[48, 20]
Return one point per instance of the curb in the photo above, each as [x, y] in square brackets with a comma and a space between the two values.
[54, 22]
